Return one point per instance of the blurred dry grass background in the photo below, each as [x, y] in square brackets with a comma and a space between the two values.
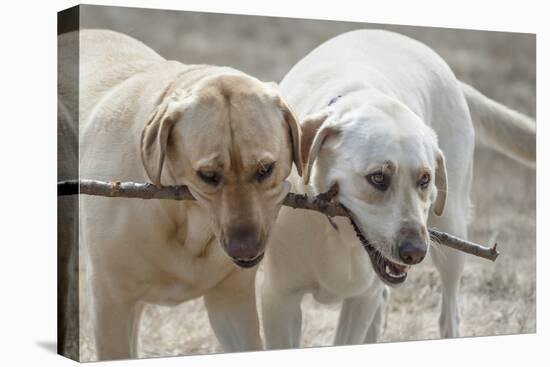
[496, 298]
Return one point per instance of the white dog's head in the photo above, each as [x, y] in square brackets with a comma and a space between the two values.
[389, 170]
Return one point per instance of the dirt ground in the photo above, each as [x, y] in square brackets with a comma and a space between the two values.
[496, 298]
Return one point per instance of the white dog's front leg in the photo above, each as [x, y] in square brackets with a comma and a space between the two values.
[377, 325]
[450, 263]
[282, 318]
[232, 311]
[115, 322]
[357, 315]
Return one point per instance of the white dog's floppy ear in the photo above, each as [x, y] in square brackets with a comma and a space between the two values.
[313, 137]
[294, 135]
[440, 183]
[154, 138]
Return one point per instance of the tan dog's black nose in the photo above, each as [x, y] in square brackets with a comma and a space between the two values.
[412, 252]
[243, 246]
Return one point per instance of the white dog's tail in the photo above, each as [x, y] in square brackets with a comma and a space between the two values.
[501, 128]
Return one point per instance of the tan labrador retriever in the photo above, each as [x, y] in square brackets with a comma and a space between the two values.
[228, 136]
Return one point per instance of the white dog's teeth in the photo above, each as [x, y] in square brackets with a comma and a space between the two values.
[390, 272]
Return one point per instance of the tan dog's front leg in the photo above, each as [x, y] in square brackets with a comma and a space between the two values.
[115, 320]
[232, 311]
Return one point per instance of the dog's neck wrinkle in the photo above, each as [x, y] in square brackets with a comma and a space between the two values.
[202, 71]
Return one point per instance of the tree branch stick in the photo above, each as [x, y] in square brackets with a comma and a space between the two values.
[322, 203]
[490, 253]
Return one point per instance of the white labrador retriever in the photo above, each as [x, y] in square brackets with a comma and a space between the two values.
[228, 136]
[383, 117]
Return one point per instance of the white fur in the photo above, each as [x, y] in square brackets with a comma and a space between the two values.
[400, 102]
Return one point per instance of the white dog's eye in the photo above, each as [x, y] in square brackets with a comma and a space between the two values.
[379, 180]
[424, 181]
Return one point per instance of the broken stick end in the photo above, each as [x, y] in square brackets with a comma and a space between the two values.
[494, 252]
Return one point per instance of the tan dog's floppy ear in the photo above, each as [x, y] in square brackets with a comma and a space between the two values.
[294, 136]
[440, 184]
[313, 137]
[154, 138]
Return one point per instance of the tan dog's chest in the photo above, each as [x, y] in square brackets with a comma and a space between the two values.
[191, 263]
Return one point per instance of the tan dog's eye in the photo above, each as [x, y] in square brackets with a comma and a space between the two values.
[264, 171]
[379, 180]
[209, 177]
[424, 181]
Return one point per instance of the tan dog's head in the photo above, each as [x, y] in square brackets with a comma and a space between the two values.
[232, 140]
[389, 170]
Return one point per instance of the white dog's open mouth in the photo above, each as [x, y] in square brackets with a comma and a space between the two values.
[391, 273]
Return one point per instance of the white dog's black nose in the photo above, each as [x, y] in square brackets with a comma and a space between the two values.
[412, 252]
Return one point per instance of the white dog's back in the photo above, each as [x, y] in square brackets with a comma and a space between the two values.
[388, 62]
[401, 66]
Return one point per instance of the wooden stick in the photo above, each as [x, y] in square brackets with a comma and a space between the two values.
[490, 253]
[117, 189]
[322, 203]
[123, 190]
